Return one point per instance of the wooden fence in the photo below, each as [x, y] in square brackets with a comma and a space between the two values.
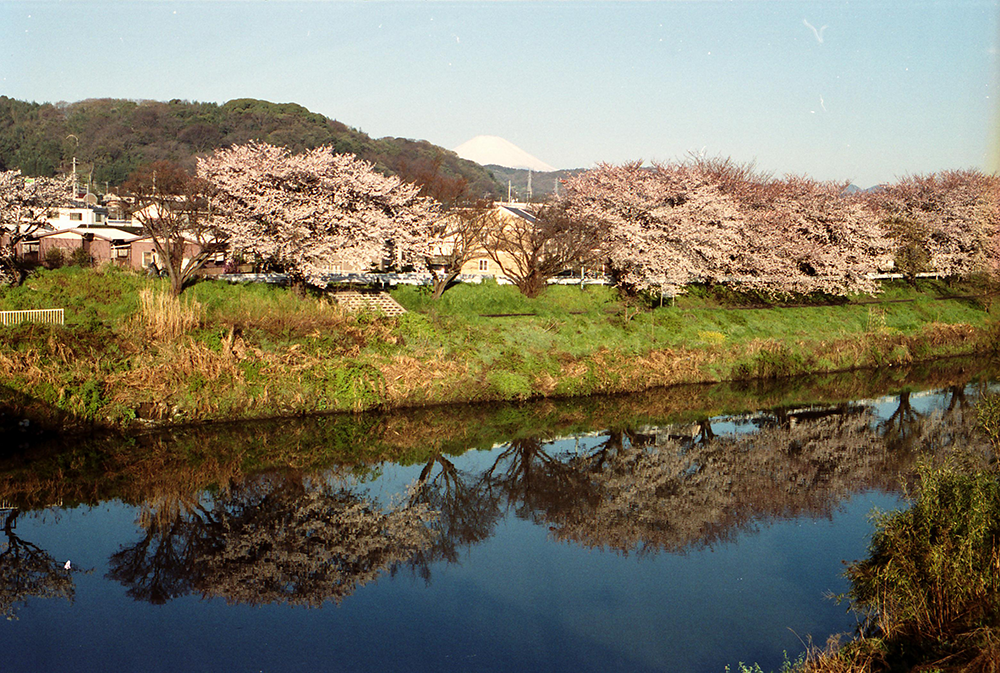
[52, 316]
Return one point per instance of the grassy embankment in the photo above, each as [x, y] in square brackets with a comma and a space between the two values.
[182, 462]
[222, 352]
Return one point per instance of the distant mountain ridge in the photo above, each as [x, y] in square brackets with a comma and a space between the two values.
[542, 184]
[110, 138]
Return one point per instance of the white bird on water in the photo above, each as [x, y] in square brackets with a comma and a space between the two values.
[66, 566]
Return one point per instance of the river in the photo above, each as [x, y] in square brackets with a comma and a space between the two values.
[681, 530]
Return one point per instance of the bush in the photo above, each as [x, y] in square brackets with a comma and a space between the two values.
[930, 587]
[55, 258]
[930, 572]
[988, 417]
[80, 257]
[912, 253]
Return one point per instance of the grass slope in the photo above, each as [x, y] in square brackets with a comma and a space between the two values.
[223, 351]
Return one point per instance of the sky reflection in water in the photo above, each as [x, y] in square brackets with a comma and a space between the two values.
[531, 581]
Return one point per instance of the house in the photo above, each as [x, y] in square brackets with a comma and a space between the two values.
[102, 244]
[77, 215]
[481, 265]
[144, 254]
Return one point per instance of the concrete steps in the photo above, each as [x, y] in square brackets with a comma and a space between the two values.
[379, 302]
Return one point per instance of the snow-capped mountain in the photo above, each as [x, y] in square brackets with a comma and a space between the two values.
[486, 150]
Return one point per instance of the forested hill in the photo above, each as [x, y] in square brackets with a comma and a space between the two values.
[112, 137]
[542, 185]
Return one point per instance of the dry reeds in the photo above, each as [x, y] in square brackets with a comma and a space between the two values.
[166, 317]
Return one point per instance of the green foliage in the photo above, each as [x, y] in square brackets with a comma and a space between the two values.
[55, 258]
[471, 300]
[353, 386]
[113, 137]
[930, 586]
[706, 296]
[260, 350]
[486, 298]
[912, 254]
[509, 385]
[774, 361]
[988, 418]
[413, 297]
[86, 400]
[416, 329]
[81, 257]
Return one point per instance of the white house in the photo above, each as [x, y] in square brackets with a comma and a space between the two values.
[78, 215]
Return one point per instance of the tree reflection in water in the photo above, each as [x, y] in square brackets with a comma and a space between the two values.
[27, 571]
[271, 539]
[467, 511]
[678, 488]
[296, 539]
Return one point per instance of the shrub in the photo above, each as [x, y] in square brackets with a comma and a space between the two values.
[80, 257]
[988, 417]
[930, 571]
[930, 587]
[912, 253]
[55, 258]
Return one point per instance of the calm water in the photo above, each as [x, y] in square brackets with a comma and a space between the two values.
[685, 545]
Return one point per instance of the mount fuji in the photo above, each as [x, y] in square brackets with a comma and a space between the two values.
[493, 150]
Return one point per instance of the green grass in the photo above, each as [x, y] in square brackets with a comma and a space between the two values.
[264, 350]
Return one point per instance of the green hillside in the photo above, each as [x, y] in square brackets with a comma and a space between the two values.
[112, 137]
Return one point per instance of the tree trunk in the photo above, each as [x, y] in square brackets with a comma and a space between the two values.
[11, 272]
[531, 285]
[443, 283]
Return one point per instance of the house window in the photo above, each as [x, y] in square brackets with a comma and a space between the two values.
[98, 217]
[76, 217]
[30, 246]
[484, 265]
[147, 258]
[121, 251]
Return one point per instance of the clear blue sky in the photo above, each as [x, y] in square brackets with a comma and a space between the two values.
[887, 88]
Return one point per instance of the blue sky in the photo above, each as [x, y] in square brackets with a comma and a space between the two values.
[867, 91]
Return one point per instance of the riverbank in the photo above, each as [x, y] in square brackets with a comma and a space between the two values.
[130, 355]
[189, 459]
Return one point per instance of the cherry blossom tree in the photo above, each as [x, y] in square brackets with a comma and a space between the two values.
[24, 206]
[959, 211]
[719, 221]
[174, 210]
[810, 236]
[309, 211]
[663, 227]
